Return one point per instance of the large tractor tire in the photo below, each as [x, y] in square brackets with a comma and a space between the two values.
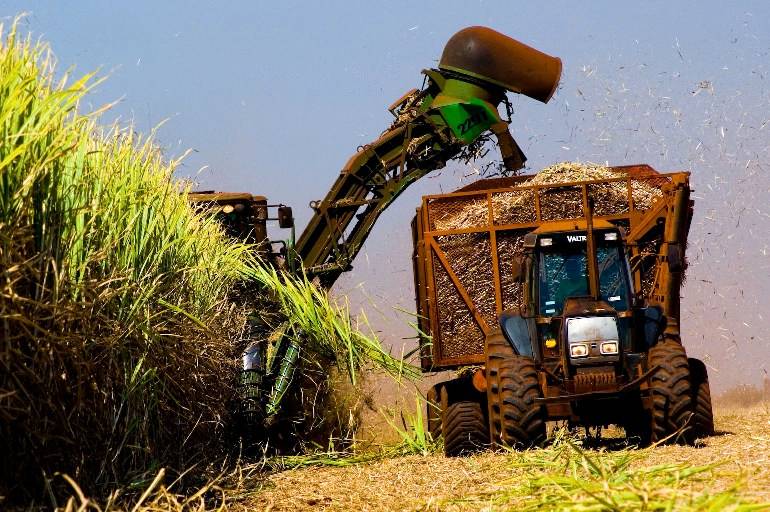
[433, 412]
[702, 422]
[671, 392]
[515, 419]
[464, 428]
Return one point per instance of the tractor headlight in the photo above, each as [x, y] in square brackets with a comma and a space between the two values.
[578, 349]
[593, 339]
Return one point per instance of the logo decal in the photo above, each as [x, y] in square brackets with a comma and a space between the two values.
[476, 118]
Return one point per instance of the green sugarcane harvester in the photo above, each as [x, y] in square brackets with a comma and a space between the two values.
[457, 107]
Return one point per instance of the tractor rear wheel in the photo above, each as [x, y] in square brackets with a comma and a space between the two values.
[671, 392]
[515, 419]
[702, 422]
[464, 428]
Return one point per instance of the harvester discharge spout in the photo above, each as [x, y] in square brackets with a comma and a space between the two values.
[458, 104]
[488, 56]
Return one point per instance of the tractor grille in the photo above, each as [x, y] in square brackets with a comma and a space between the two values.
[594, 381]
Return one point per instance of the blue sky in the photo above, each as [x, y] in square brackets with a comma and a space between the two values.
[272, 97]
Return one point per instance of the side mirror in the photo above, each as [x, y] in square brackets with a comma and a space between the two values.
[654, 324]
[285, 217]
[674, 257]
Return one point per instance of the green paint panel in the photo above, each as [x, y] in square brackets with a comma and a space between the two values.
[468, 120]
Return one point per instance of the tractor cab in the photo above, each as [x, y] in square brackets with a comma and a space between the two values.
[580, 319]
[579, 314]
[561, 270]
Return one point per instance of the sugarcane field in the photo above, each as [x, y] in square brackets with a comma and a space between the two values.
[408, 256]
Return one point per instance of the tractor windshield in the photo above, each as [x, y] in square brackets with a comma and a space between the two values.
[563, 272]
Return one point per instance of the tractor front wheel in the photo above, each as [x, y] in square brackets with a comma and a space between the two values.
[515, 419]
[671, 392]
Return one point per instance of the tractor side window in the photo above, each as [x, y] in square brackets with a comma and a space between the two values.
[613, 284]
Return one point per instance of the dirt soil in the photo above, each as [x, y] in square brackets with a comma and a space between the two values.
[741, 446]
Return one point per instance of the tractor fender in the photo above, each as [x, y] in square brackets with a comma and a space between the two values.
[521, 333]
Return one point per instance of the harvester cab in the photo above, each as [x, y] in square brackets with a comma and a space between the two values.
[245, 217]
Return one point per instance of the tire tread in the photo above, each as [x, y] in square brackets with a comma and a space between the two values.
[464, 428]
[512, 387]
[672, 404]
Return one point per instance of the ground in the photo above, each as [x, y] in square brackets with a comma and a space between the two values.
[737, 471]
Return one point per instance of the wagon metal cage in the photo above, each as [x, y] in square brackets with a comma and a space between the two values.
[465, 243]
